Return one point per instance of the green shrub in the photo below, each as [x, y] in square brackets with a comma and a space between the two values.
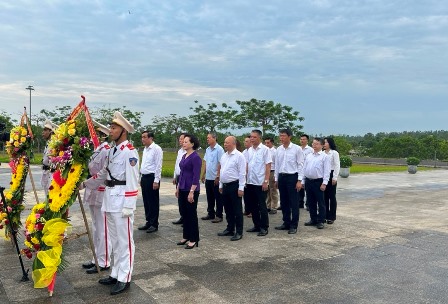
[346, 161]
[412, 161]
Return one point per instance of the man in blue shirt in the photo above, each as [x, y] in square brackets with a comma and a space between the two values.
[211, 179]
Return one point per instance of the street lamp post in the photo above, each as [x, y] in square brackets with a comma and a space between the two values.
[30, 88]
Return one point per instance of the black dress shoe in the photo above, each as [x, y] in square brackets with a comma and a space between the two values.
[119, 287]
[282, 227]
[279, 208]
[329, 222]
[262, 232]
[292, 231]
[320, 226]
[93, 269]
[208, 217]
[196, 244]
[236, 237]
[152, 229]
[178, 222]
[182, 242]
[225, 233]
[88, 265]
[310, 223]
[108, 281]
[253, 229]
[144, 227]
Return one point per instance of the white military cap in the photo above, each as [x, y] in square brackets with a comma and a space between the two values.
[121, 121]
[101, 128]
[49, 125]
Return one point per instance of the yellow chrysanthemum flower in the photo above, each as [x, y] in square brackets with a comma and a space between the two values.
[24, 132]
[22, 139]
[71, 132]
[34, 240]
[16, 137]
[16, 144]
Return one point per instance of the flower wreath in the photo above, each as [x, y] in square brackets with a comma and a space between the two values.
[46, 226]
[18, 148]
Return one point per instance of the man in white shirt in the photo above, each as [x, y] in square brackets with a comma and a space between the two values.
[211, 179]
[180, 153]
[272, 195]
[316, 173]
[258, 171]
[231, 186]
[151, 172]
[304, 138]
[288, 178]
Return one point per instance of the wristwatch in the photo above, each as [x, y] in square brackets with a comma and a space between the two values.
[265, 180]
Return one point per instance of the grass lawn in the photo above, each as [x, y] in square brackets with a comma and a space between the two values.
[372, 168]
[169, 159]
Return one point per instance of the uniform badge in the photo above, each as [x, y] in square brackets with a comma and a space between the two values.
[133, 161]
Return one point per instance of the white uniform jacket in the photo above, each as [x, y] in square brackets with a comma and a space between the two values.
[96, 163]
[123, 166]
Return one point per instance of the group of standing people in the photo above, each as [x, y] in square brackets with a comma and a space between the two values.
[255, 174]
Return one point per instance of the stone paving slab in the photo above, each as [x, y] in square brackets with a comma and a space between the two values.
[388, 245]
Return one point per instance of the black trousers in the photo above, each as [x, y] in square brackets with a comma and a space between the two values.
[233, 206]
[213, 195]
[191, 227]
[301, 197]
[288, 196]
[257, 206]
[330, 200]
[151, 200]
[315, 200]
[181, 208]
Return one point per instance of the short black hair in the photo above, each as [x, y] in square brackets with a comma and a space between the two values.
[305, 135]
[269, 138]
[148, 133]
[319, 139]
[212, 134]
[258, 132]
[286, 131]
[183, 133]
[193, 139]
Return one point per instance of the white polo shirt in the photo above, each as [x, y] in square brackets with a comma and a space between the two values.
[258, 158]
[289, 160]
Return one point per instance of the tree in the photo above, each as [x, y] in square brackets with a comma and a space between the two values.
[343, 145]
[169, 126]
[268, 116]
[211, 118]
[7, 123]
[57, 116]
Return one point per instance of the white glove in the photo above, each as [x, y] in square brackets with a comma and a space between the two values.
[127, 212]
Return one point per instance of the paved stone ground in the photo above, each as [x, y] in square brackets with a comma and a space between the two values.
[388, 245]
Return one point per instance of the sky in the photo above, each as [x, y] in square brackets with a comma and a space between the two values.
[348, 67]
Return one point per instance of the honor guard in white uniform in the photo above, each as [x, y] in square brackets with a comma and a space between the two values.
[120, 175]
[94, 199]
[47, 175]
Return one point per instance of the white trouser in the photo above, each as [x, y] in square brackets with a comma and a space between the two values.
[100, 235]
[45, 181]
[121, 234]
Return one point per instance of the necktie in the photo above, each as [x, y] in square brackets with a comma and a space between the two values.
[115, 150]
